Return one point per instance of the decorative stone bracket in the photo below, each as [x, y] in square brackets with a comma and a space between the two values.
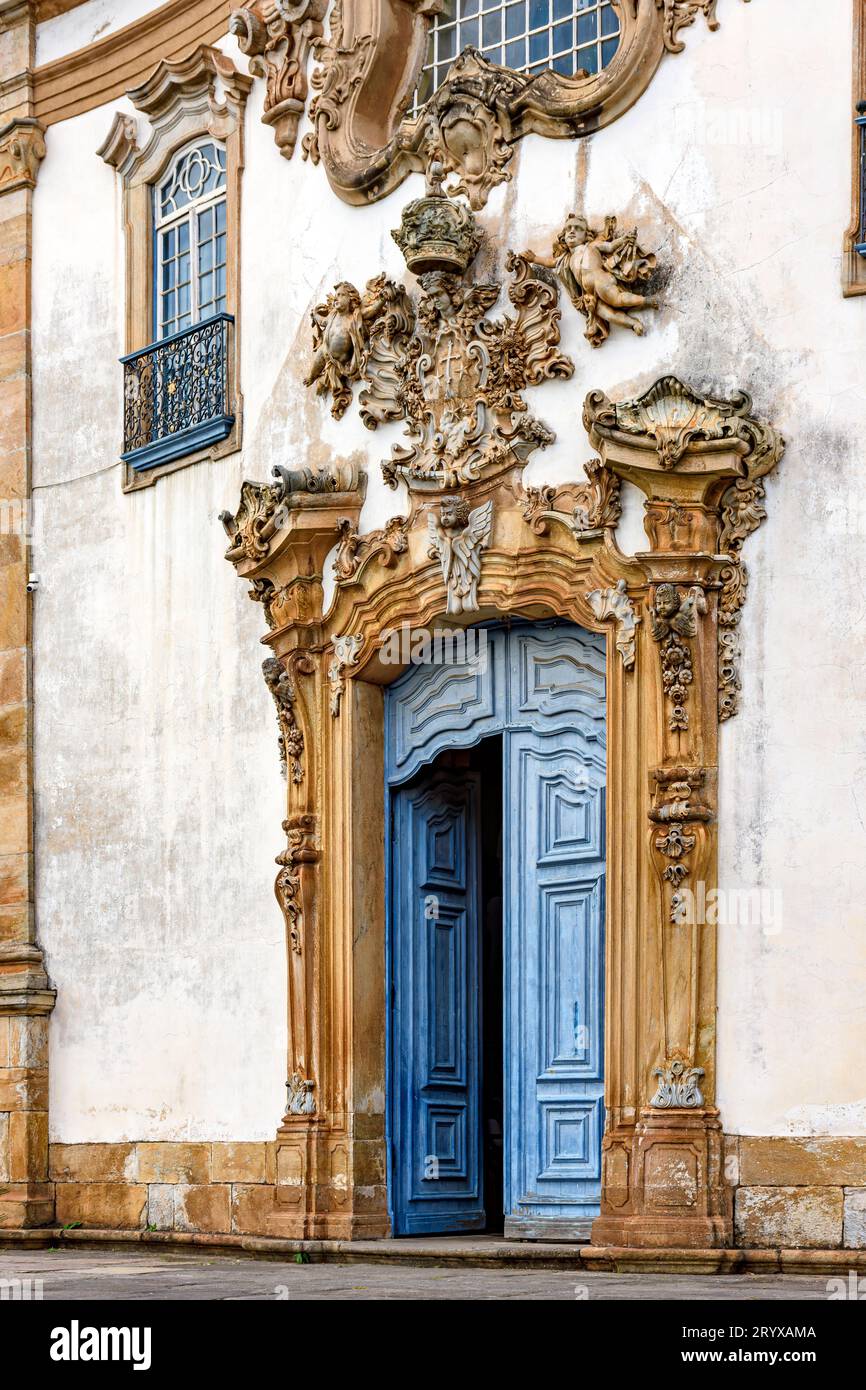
[278, 37]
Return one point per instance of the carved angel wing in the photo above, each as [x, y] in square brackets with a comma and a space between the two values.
[438, 549]
[319, 318]
[469, 545]
[479, 299]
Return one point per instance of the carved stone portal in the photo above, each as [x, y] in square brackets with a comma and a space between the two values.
[491, 551]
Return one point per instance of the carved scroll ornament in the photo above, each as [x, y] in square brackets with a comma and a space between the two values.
[369, 140]
[615, 603]
[278, 37]
[587, 509]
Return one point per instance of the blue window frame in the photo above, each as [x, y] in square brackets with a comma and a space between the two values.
[189, 207]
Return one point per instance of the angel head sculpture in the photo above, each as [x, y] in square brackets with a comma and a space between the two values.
[457, 538]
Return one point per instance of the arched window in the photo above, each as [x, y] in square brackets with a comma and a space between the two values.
[573, 37]
[190, 225]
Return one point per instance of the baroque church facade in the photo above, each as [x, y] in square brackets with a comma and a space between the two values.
[507, 355]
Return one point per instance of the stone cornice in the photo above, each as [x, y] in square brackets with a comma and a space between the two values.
[99, 72]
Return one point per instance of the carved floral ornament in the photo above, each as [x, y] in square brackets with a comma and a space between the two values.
[368, 67]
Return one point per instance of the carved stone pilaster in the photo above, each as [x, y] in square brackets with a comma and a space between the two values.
[693, 457]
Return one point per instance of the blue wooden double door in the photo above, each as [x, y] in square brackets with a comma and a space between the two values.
[496, 775]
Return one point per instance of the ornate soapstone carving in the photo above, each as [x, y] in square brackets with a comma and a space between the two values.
[354, 551]
[299, 1095]
[673, 625]
[301, 848]
[675, 419]
[602, 272]
[615, 603]
[368, 139]
[291, 740]
[457, 538]
[345, 329]
[264, 507]
[678, 1087]
[439, 363]
[678, 804]
[587, 509]
[345, 654]
[277, 37]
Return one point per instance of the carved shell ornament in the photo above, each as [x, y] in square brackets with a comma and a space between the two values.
[368, 133]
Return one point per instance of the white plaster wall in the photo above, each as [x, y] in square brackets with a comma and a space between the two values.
[84, 25]
[153, 724]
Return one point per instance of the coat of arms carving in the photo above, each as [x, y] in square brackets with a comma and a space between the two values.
[438, 361]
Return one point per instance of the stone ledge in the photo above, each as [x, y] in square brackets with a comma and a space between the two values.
[467, 1251]
[802, 1161]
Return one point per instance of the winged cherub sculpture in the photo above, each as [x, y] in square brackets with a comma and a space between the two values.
[457, 538]
[601, 272]
[342, 333]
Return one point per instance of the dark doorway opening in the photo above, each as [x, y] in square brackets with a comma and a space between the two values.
[486, 760]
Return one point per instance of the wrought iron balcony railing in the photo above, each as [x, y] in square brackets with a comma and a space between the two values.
[176, 394]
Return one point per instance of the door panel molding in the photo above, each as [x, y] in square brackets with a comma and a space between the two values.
[553, 839]
[436, 1160]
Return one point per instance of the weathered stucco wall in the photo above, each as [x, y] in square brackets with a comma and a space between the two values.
[153, 723]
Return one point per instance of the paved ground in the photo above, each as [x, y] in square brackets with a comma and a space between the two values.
[109, 1275]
